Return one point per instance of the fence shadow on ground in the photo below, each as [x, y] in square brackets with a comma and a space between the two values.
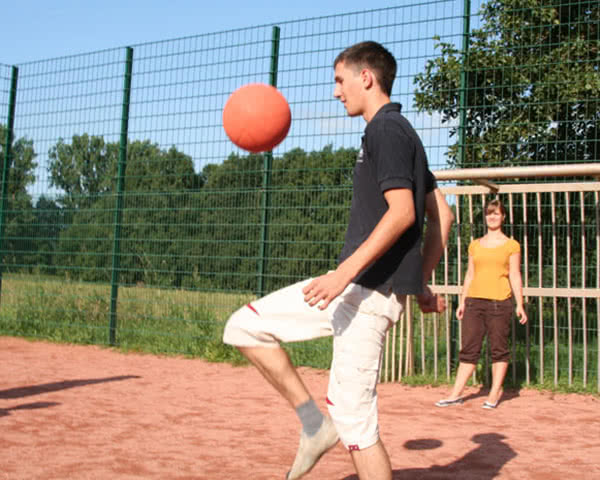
[20, 392]
[28, 406]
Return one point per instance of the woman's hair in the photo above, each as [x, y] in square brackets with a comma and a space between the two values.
[494, 205]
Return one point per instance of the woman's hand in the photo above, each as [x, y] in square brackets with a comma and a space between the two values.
[460, 311]
[521, 314]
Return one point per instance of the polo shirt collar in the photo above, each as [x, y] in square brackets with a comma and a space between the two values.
[389, 107]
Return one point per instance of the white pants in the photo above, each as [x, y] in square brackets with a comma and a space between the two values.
[358, 319]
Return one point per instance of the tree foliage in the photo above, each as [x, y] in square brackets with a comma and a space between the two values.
[22, 164]
[82, 169]
[86, 170]
[19, 222]
[532, 84]
[202, 230]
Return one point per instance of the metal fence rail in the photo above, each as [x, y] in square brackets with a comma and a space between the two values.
[129, 218]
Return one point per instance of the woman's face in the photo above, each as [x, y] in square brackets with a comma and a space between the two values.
[494, 219]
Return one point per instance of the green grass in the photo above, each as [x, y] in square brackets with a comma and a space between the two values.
[153, 320]
[190, 323]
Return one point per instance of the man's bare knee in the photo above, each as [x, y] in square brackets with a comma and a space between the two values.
[372, 463]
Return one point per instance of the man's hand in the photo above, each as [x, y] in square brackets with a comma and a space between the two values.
[430, 302]
[324, 289]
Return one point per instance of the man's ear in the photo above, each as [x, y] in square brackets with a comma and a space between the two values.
[367, 78]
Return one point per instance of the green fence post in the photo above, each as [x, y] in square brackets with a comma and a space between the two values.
[462, 128]
[267, 166]
[114, 286]
[463, 82]
[7, 160]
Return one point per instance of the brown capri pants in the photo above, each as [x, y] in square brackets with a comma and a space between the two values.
[483, 316]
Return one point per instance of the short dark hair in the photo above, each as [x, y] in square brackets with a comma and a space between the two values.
[373, 56]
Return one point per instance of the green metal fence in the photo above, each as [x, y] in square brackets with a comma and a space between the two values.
[131, 219]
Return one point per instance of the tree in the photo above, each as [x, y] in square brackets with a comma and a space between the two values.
[83, 169]
[22, 165]
[532, 84]
[48, 221]
[310, 211]
[18, 244]
[310, 198]
[532, 87]
[225, 237]
[182, 229]
[157, 183]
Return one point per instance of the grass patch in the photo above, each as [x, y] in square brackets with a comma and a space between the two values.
[190, 323]
[152, 320]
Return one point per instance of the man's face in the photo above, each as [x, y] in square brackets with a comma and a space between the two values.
[349, 88]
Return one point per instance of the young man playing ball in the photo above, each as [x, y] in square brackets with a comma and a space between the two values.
[380, 264]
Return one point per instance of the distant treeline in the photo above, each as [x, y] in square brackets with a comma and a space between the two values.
[179, 228]
[216, 228]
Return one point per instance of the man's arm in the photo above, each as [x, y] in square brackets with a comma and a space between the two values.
[399, 216]
[439, 221]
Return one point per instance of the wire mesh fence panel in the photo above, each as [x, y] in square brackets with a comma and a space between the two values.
[192, 203]
[5, 76]
[132, 218]
[558, 347]
[524, 88]
[60, 193]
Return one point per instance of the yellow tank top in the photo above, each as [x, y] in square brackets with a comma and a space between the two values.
[490, 279]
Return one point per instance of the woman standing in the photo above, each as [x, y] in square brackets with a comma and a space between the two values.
[486, 304]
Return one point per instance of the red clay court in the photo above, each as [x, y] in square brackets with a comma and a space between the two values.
[85, 412]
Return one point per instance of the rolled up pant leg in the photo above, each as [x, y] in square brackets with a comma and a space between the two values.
[281, 316]
[360, 325]
[486, 317]
[473, 330]
[498, 328]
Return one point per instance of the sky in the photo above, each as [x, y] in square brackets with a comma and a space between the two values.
[38, 29]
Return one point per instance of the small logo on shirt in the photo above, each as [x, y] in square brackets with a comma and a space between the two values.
[361, 155]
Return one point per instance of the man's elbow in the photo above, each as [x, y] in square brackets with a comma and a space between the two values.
[449, 218]
[445, 214]
[437, 209]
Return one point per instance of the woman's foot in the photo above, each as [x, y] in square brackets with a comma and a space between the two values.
[449, 402]
[493, 398]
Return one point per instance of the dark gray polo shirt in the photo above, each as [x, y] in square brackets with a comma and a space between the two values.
[391, 156]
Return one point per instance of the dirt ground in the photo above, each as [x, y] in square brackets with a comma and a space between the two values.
[85, 412]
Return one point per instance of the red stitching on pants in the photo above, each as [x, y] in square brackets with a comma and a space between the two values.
[252, 308]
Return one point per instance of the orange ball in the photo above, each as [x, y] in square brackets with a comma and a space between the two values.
[257, 117]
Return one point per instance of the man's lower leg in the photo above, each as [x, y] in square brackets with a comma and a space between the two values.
[372, 463]
[318, 432]
[275, 365]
